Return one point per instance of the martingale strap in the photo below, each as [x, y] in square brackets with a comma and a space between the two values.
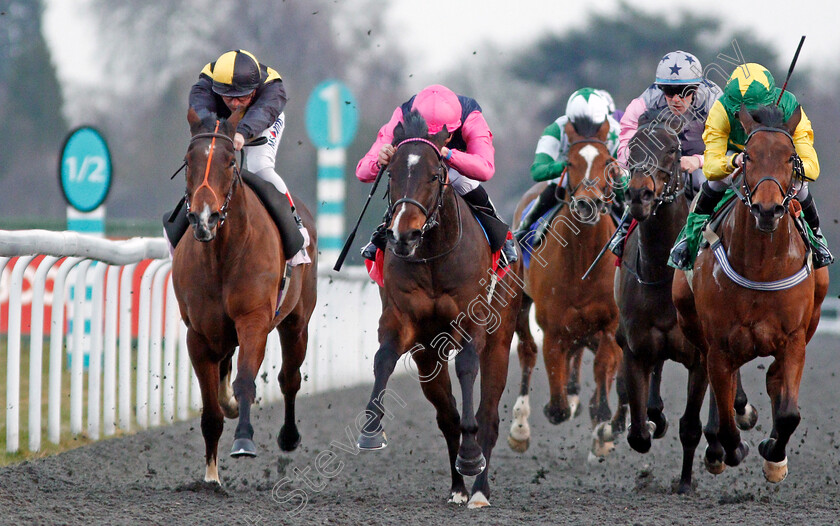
[770, 286]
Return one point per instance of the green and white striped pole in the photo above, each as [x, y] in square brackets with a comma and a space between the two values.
[331, 121]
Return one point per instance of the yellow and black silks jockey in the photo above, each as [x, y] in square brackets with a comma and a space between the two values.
[234, 81]
[753, 86]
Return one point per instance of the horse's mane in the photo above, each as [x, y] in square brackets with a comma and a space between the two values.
[653, 118]
[208, 121]
[771, 116]
[585, 126]
[413, 127]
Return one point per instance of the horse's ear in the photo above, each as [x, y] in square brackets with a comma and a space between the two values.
[399, 133]
[236, 116]
[746, 119]
[571, 133]
[793, 121]
[440, 137]
[193, 119]
[604, 130]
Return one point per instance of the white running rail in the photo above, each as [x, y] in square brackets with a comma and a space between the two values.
[163, 388]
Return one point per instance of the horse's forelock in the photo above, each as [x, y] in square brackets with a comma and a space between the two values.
[413, 127]
[586, 127]
[771, 116]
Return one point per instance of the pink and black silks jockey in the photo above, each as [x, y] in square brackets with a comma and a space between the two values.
[470, 159]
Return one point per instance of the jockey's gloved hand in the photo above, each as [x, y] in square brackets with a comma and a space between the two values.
[238, 141]
[385, 155]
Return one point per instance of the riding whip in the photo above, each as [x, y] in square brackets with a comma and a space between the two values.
[603, 251]
[790, 71]
[352, 235]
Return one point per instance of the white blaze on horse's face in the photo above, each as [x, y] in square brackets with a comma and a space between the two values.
[589, 153]
[413, 160]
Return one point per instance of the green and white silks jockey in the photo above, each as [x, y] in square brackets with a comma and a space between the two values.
[551, 157]
[753, 86]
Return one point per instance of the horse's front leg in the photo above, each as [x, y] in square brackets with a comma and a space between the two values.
[519, 437]
[722, 378]
[294, 336]
[746, 415]
[655, 405]
[690, 426]
[494, 367]
[607, 361]
[252, 332]
[783, 378]
[555, 349]
[573, 386]
[637, 372]
[470, 461]
[212, 419]
[372, 436]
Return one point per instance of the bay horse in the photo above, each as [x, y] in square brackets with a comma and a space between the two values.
[233, 288]
[572, 313]
[440, 296]
[755, 294]
[648, 330]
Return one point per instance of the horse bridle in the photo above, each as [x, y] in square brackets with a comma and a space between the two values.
[570, 199]
[798, 172]
[432, 219]
[223, 210]
[648, 167]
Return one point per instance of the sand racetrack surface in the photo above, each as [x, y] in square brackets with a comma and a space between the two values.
[153, 477]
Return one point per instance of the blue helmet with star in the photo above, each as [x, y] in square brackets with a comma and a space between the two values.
[679, 68]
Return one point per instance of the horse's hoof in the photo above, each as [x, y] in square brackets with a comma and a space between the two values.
[738, 455]
[716, 466]
[288, 441]
[748, 419]
[765, 446]
[243, 447]
[520, 446]
[775, 472]
[556, 416]
[638, 442]
[471, 467]
[574, 405]
[373, 443]
[603, 442]
[660, 428]
[604, 432]
[478, 500]
[684, 488]
[458, 497]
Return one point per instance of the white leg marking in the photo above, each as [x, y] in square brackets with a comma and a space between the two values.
[478, 500]
[458, 498]
[574, 403]
[519, 428]
[211, 473]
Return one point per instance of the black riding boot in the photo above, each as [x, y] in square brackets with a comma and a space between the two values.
[377, 240]
[708, 199]
[496, 227]
[278, 207]
[822, 256]
[175, 223]
[544, 202]
[617, 243]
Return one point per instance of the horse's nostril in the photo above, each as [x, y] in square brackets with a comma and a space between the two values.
[192, 218]
[647, 195]
[779, 211]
